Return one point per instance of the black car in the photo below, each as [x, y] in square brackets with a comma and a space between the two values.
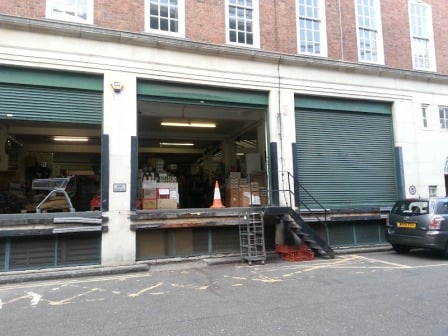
[419, 223]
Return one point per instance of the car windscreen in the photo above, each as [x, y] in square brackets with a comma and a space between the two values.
[442, 208]
[410, 207]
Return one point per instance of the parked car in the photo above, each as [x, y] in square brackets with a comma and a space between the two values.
[419, 223]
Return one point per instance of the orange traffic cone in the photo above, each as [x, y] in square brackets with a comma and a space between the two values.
[217, 198]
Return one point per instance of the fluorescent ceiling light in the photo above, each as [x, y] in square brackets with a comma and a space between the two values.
[176, 144]
[188, 124]
[70, 139]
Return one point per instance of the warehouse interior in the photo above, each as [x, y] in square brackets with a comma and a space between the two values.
[30, 151]
[195, 145]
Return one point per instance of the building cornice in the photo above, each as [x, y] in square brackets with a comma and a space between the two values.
[91, 32]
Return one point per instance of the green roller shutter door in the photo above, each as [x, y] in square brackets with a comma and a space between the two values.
[36, 95]
[345, 156]
[201, 95]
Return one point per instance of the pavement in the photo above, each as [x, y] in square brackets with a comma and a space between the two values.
[153, 265]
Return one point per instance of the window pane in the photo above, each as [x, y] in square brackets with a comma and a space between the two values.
[154, 23]
[173, 13]
[249, 27]
[240, 25]
[241, 38]
[154, 9]
[232, 36]
[164, 24]
[163, 11]
[174, 26]
[250, 39]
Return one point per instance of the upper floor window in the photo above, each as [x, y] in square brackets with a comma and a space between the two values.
[165, 17]
[425, 115]
[370, 41]
[242, 22]
[70, 10]
[423, 53]
[312, 37]
[432, 191]
[443, 113]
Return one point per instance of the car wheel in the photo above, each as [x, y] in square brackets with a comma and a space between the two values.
[401, 249]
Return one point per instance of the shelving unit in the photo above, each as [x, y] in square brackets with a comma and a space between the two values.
[252, 245]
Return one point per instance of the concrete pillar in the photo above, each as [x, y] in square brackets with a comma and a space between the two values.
[229, 154]
[282, 131]
[120, 123]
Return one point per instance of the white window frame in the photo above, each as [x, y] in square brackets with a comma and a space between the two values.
[322, 23]
[443, 117]
[255, 25]
[375, 29]
[180, 19]
[427, 36]
[51, 14]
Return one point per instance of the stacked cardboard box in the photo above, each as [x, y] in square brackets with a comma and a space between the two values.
[243, 193]
[232, 195]
[167, 195]
[260, 178]
[149, 195]
[159, 195]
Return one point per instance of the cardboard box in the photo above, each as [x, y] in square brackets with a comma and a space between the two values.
[232, 198]
[254, 186]
[150, 193]
[148, 204]
[260, 178]
[167, 204]
[248, 198]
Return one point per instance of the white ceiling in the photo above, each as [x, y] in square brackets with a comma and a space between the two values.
[232, 124]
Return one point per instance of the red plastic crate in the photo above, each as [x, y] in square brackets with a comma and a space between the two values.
[294, 253]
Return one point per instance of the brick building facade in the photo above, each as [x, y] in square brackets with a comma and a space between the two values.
[205, 22]
[341, 97]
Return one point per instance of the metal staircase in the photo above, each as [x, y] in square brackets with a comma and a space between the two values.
[298, 231]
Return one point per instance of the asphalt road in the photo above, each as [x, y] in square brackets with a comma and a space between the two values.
[379, 293]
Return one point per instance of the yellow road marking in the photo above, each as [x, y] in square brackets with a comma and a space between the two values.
[145, 290]
[68, 300]
[395, 265]
[73, 281]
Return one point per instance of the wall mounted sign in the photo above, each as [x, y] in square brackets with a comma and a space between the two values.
[412, 190]
[119, 187]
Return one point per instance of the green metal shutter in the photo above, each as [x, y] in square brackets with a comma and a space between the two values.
[37, 95]
[345, 159]
[23, 102]
[202, 95]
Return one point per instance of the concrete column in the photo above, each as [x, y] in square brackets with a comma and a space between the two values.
[120, 123]
[282, 131]
[229, 154]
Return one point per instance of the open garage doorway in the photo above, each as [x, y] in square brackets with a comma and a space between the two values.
[50, 129]
[191, 137]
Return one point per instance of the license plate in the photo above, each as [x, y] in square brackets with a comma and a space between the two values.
[406, 225]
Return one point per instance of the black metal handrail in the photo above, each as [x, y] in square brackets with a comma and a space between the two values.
[292, 196]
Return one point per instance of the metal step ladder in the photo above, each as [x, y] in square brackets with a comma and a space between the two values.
[252, 244]
[301, 231]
